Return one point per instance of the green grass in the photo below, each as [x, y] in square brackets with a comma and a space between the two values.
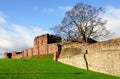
[36, 68]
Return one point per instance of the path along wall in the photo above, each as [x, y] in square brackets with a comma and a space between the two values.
[101, 57]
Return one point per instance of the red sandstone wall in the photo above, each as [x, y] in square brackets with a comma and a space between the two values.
[36, 51]
[30, 52]
[14, 55]
[41, 46]
[41, 40]
[5, 55]
[43, 49]
[25, 53]
[52, 48]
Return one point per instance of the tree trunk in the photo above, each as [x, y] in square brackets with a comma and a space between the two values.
[84, 38]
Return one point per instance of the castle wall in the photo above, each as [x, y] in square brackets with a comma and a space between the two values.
[17, 55]
[25, 53]
[52, 48]
[6, 55]
[41, 40]
[36, 50]
[46, 39]
[102, 57]
[43, 44]
[30, 52]
[45, 49]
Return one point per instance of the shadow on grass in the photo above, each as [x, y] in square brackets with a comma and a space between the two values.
[76, 73]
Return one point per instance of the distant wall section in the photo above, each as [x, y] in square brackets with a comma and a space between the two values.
[43, 44]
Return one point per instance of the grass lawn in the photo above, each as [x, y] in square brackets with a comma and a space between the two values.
[35, 68]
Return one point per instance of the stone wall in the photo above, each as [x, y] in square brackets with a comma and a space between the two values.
[102, 57]
[25, 53]
[41, 40]
[44, 44]
[30, 52]
[13, 55]
[46, 39]
[17, 55]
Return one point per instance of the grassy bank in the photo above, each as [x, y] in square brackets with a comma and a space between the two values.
[40, 68]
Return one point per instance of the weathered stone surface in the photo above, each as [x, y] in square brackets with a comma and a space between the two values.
[30, 52]
[25, 53]
[101, 57]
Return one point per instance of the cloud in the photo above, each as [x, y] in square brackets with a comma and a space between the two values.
[49, 10]
[16, 37]
[2, 18]
[65, 8]
[113, 17]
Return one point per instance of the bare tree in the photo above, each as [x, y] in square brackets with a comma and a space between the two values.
[82, 21]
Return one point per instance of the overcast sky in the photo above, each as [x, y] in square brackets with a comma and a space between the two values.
[22, 20]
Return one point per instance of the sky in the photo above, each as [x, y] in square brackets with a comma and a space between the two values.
[22, 20]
